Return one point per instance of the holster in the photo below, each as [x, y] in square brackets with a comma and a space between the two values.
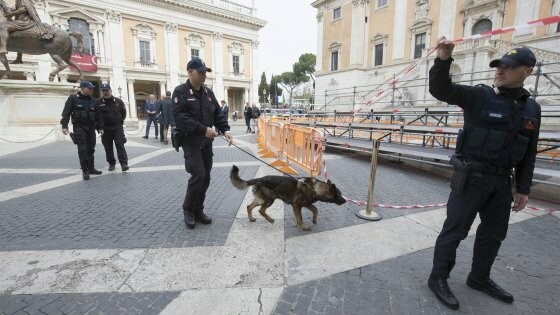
[73, 137]
[176, 139]
[461, 172]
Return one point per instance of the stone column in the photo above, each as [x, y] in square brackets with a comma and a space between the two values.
[319, 60]
[132, 113]
[357, 35]
[115, 60]
[254, 90]
[172, 55]
[162, 88]
[218, 66]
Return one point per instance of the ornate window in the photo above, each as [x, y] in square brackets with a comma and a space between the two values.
[195, 46]
[79, 25]
[144, 44]
[381, 3]
[419, 44]
[482, 26]
[337, 12]
[334, 49]
[236, 53]
[378, 55]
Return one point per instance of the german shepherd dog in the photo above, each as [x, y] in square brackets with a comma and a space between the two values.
[299, 193]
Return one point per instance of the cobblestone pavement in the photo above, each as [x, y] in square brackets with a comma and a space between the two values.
[117, 244]
[527, 266]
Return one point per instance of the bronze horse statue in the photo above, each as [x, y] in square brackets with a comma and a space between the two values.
[30, 42]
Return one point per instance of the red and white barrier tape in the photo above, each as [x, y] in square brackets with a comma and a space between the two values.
[390, 83]
[380, 205]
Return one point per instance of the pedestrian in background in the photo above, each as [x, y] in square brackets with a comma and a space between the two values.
[113, 113]
[151, 117]
[500, 132]
[248, 114]
[255, 114]
[165, 116]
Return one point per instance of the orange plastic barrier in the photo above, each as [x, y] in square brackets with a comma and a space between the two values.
[304, 147]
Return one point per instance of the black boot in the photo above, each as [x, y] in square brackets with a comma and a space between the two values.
[93, 171]
[85, 175]
[491, 288]
[441, 289]
[189, 219]
[202, 218]
[124, 167]
[111, 167]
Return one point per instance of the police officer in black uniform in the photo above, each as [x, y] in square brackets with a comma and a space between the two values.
[113, 113]
[500, 133]
[85, 120]
[195, 111]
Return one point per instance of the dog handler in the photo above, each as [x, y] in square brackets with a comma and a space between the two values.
[500, 133]
[195, 111]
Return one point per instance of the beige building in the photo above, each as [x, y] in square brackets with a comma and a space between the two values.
[141, 47]
[362, 43]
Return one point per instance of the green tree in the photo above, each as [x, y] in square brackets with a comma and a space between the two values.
[264, 90]
[274, 90]
[306, 64]
[291, 80]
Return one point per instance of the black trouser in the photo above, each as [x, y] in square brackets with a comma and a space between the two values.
[488, 195]
[116, 136]
[248, 123]
[198, 162]
[163, 128]
[85, 140]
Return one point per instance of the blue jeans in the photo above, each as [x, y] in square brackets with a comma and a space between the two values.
[149, 120]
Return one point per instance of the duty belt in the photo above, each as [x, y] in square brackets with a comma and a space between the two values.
[489, 169]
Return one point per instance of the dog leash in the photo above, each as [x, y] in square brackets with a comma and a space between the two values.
[256, 157]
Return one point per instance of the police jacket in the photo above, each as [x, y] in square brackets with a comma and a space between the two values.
[501, 126]
[112, 112]
[82, 110]
[194, 111]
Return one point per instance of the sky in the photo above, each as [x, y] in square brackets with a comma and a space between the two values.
[290, 31]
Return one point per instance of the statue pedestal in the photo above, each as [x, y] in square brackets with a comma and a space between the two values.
[31, 110]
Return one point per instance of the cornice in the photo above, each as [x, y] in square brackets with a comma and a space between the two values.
[208, 11]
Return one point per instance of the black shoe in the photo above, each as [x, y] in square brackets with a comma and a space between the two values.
[189, 219]
[124, 167]
[85, 175]
[93, 171]
[491, 288]
[145, 137]
[111, 167]
[203, 218]
[441, 289]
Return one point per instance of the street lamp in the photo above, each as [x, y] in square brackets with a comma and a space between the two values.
[120, 89]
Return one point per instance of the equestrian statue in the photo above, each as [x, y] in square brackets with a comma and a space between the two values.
[22, 31]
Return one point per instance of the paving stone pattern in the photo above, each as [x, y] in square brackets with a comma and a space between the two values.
[130, 210]
[176, 158]
[97, 303]
[394, 185]
[15, 181]
[61, 155]
[526, 266]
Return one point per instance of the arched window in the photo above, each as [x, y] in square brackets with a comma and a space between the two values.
[482, 26]
[79, 25]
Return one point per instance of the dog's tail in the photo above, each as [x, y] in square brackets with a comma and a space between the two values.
[236, 180]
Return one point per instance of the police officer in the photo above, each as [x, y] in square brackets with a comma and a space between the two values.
[113, 113]
[195, 111]
[500, 133]
[81, 108]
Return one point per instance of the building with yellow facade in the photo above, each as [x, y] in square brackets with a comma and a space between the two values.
[362, 43]
[142, 47]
